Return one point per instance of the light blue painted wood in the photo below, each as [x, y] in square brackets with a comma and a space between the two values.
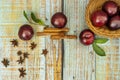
[80, 63]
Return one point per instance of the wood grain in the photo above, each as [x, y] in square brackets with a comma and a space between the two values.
[80, 62]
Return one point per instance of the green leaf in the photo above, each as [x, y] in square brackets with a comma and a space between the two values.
[39, 21]
[98, 50]
[42, 22]
[34, 17]
[25, 15]
[101, 40]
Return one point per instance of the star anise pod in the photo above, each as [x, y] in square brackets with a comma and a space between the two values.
[22, 72]
[44, 51]
[33, 45]
[26, 55]
[14, 42]
[5, 62]
[19, 53]
[21, 60]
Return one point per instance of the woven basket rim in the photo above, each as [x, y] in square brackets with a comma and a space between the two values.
[94, 29]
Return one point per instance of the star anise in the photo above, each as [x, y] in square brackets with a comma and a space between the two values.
[14, 42]
[19, 53]
[33, 45]
[44, 51]
[26, 55]
[22, 72]
[21, 60]
[5, 62]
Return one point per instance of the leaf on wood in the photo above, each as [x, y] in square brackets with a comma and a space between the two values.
[19, 53]
[98, 50]
[44, 51]
[22, 72]
[5, 62]
[26, 55]
[25, 15]
[21, 60]
[14, 42]
[33, 45]
[37, 20]
[101, 40]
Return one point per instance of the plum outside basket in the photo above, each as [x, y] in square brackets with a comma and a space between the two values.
[92, 6]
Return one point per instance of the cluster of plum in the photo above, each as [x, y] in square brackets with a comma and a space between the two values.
[58, 20]
[26, 31]
[109, 15]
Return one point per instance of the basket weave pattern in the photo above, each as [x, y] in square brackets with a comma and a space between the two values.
[92, 6]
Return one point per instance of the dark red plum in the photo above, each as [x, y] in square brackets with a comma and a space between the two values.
[86, 37]
[99, 18]
[25, 32]
[110, 7]
[114, 23]
[59, 20]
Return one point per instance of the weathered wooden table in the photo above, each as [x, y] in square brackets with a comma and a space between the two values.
[80, 62]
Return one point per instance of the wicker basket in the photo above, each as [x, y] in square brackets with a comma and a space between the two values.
[92, 6]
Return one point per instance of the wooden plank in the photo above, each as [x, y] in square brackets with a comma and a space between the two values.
[107, 68]
[10, 25]
[80, 63]
[38, 67]
[52, 6]
[79, 59]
